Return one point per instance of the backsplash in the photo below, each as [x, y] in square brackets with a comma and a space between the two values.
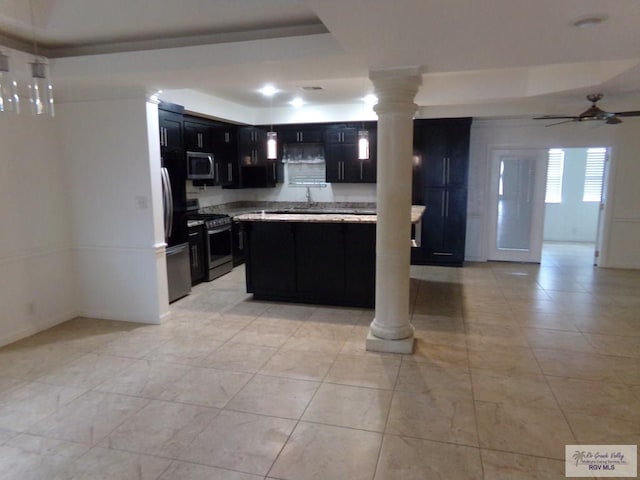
[341, 193]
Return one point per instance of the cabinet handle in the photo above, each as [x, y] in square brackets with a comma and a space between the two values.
[217, 174]
[444, 170]
[274, 171]
[360, 169]
[448, 170]
[199, 140]
[229, 172]
[442, 204]
[227, 138]
[447, 210]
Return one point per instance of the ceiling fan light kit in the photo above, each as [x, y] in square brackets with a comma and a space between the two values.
[592, 113]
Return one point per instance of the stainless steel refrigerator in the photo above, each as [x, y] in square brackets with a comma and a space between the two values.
[175, 232]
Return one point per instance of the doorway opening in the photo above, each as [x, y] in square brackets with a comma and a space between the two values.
[552, 197]
[573, 204]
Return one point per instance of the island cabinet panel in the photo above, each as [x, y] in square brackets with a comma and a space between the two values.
[317, 262]
[320, 261]
[360, 263]
[270, 258]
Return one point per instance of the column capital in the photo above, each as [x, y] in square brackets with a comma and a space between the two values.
[396, 89]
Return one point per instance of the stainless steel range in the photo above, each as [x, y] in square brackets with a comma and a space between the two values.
[218, 249]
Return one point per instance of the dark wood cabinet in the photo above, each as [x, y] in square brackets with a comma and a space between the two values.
[328, 263]
[197, 254]
[300, 133]
[170, 123]
[341, 154]
[198, 134]
[441, 159]
[320, 260]
[256, 170]
[225, 155]
[270, 259]
[252, 146]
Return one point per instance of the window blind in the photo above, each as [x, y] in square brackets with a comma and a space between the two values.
[555, 170]
[596, 158]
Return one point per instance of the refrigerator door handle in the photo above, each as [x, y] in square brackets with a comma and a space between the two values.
[168, 201]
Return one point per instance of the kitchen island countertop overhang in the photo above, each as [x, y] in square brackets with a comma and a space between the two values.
[321, 216]
[325, 258]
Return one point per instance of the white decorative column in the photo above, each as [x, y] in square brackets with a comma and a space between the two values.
[391, 329]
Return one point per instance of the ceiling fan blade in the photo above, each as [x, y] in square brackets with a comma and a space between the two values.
[632, 113]
[573, 119]
[613, 120]
[556, 117]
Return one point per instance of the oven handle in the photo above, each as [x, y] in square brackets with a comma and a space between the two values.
[221, 229]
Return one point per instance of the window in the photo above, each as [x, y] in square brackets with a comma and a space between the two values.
[596, 158]
[555, 169]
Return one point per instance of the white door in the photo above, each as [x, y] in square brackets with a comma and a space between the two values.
[518, 178]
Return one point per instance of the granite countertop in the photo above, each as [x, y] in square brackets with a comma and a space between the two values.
[323, 215]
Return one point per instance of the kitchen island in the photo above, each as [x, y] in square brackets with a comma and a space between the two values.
[317, 256]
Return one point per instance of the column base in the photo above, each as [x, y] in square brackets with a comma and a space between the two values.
[375, 344]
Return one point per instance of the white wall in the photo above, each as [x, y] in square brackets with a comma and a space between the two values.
[37, 288]
[112, 164]
[572, 220]
[621, 214]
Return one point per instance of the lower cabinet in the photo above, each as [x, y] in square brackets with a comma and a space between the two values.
[328, 263]
[197, 254]
[443, 228]
[269, 258]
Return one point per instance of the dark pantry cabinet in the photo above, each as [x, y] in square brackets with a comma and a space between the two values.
[441, 153]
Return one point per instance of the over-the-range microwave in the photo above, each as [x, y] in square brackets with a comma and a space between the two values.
[200, 166]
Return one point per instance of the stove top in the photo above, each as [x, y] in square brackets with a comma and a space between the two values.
[211, 220]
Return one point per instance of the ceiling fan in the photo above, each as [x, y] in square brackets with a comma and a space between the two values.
[592, 113]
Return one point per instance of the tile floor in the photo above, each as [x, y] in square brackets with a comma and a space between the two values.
[512, 362]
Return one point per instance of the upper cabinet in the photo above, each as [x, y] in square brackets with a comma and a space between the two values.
[341, 154]
[198, 134]
[442, 148]
[225, 154]
[256, 171]
[170, 122]
[252, 145]
[299, 134]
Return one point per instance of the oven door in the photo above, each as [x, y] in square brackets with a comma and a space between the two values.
[219, 245]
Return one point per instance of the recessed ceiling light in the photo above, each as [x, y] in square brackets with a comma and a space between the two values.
[268, 90]
[590, 20]
[297, 102]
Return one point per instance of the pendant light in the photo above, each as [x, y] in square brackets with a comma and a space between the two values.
[272, 137]
[40, 88]
[9, 100]
[272, 145]
[363, 144]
